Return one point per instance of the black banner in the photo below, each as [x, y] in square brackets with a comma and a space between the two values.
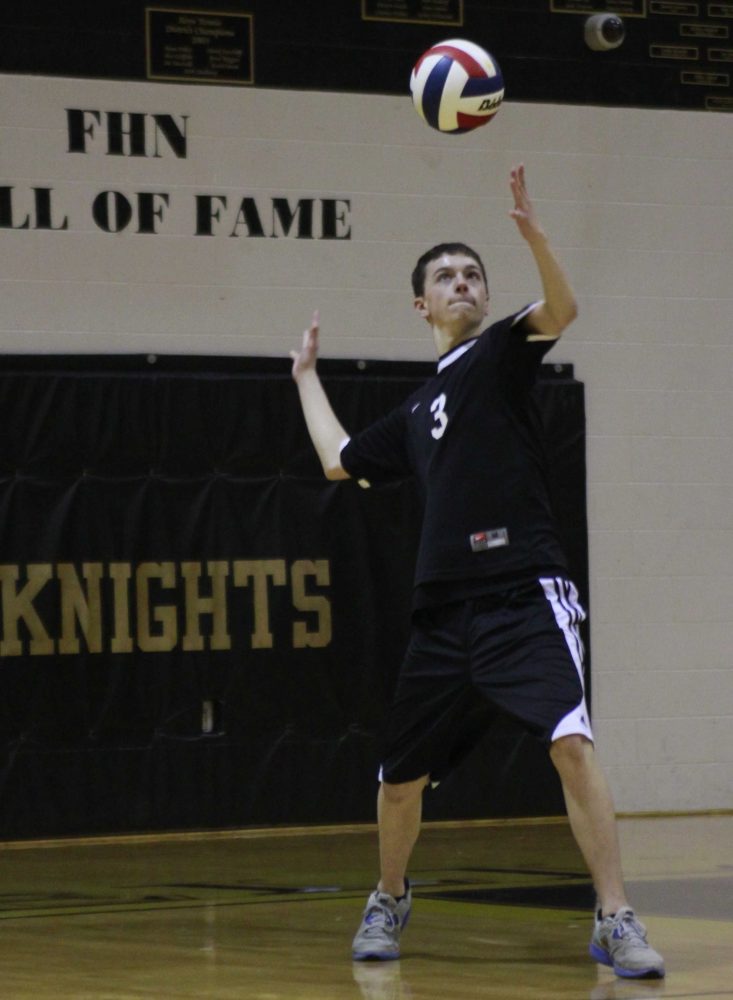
[198, 630]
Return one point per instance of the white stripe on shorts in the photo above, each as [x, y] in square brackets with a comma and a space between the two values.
[562, 595]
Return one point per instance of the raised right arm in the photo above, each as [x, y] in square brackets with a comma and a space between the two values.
[324, 428]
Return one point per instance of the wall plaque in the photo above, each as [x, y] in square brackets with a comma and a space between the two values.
[199, 46]
[413, 11]
[628, 8]
[680, 9]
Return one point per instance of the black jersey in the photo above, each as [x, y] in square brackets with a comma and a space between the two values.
[471, 437]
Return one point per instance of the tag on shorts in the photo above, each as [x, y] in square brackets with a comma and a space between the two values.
[493, 539]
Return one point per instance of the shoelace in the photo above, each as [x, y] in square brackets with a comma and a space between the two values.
[388, 920]
[629, 927]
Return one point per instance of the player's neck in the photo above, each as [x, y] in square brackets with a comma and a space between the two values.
[446, 339]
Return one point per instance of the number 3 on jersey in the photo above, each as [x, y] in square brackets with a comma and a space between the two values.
[437, 408]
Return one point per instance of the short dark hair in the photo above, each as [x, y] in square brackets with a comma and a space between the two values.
[418, 275]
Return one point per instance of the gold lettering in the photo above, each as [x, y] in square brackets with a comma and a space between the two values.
[120, 574]
[18, 604]
[318, 604]
[164, 615]
[140, 619]
[196, 605]
[80, 606]
[259, 570]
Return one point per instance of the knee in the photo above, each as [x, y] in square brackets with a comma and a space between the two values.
[572, 753]
[405, 791]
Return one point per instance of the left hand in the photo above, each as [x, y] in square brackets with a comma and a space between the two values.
[304, 360]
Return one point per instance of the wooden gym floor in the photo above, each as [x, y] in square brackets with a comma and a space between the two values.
[501, 910]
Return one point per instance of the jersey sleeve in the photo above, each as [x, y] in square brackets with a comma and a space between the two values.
[518, 350]
[379, 452]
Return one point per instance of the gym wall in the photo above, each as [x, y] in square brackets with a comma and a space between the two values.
[281, 201]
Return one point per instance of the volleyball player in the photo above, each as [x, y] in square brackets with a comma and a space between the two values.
[495, 616]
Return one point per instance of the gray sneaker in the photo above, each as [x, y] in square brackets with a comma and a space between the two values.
[383, 921]
[620, 942]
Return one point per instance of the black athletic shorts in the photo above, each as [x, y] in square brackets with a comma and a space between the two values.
[517, 652]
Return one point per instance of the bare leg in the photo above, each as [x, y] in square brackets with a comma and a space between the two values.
[399, 810]
[592, 817]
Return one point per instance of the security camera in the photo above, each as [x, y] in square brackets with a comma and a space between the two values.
[604, 32]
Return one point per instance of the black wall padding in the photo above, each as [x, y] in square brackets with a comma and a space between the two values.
[198, 630]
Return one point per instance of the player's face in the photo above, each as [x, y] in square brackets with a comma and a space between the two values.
[455, 298]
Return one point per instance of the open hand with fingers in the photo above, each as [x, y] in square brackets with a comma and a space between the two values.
[524, 213]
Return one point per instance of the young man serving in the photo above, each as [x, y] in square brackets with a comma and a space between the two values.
[495, 617]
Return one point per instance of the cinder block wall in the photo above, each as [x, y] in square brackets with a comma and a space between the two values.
[640, 207]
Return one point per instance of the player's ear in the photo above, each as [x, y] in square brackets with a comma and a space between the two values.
[422, 308]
